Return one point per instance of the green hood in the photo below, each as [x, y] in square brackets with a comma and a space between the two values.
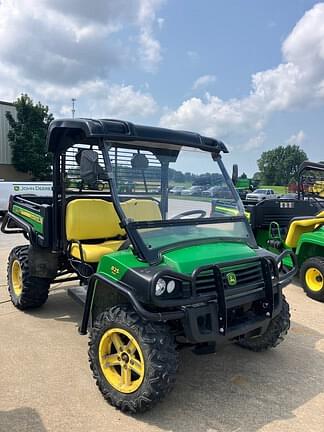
[182, 260]
[187, 259]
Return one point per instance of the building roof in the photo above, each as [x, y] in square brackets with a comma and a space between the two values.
[65, 132]
[6, 103]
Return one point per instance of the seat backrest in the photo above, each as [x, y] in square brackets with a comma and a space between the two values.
[299, 226]
[141, 209]
[88, 219]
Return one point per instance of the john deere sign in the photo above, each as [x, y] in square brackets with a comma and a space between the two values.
[231, 279]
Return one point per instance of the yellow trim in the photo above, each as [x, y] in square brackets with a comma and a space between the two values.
[30, 215]
[16, 278]
[314, 279]
[121, 360]
[93, 252]
[299, 227]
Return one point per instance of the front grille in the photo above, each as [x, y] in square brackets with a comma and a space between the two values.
[249, 279]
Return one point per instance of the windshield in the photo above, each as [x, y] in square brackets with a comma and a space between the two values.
[165, 196]
[177, 197]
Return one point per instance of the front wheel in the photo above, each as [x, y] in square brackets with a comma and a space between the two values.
[273, 336]
[312, 278]
[134, 362]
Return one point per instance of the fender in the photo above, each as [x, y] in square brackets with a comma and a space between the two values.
[126, 292]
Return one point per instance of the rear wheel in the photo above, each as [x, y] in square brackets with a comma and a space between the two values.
[134, 362]
[25, 291]
[312, 278]
[273, 336]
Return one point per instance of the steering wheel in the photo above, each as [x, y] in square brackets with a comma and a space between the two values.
[200, 213]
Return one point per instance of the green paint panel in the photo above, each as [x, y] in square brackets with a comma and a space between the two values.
[116, 264]
[183, 260]
[315, 237]
[262, 236]
[187, 259]
[310, 244]
[32, 218]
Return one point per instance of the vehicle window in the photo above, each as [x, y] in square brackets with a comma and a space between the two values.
[85, 170]
[195, 173]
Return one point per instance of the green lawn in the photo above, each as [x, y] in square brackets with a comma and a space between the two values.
[278, 189]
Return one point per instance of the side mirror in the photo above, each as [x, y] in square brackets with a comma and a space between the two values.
[139, 161]
[235, 174]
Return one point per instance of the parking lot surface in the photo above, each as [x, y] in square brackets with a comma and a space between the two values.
[46, 383]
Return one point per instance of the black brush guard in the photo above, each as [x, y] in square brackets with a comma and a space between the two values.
[215, 310]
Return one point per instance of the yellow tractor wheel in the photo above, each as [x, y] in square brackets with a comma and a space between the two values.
[312, 278]
[25, 291]
[134, 362]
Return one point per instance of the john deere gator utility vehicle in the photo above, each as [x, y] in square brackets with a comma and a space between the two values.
[154, 273]
[297, 224]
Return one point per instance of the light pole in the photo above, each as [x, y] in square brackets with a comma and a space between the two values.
[73, 107]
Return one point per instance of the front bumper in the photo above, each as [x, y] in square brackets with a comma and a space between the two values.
[205, 319]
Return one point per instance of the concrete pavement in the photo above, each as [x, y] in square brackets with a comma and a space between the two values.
[46, 383]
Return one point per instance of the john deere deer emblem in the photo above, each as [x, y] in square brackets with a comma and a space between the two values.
[231, 279]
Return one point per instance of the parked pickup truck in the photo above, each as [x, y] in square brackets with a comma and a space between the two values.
[261, 194]
[20, 188]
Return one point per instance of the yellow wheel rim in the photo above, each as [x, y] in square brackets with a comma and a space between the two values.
[314, 279]
[16, 278]
[121, 360]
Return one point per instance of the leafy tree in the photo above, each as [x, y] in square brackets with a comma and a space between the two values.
[257, 176]
[243, 176]
[27, 136]
[280, 165]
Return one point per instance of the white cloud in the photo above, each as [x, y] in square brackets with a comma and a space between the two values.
[255, 142]
[296, 139]
[150, 49]
[203, 81]
[101, 99]
[296, 83]
[160, 22]
[56, 50]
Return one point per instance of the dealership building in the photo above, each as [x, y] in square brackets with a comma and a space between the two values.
[7, 170]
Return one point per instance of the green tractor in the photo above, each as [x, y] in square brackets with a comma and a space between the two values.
[296, 223]
[154, 272]
[243, 184]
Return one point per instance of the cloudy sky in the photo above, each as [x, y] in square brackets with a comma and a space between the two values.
[248, 72]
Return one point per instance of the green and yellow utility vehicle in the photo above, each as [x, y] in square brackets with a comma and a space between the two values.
[296, 224]
[154, 272]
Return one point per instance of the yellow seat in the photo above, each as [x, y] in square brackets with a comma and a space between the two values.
[141, 209]
[92, 219]
[298, 227]
[96, 219]
[93, 252]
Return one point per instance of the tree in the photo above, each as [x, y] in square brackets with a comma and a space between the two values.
[27, 136]
[256, 176]
[280, 165]
[243, 176]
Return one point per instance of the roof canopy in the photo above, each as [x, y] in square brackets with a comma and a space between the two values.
[63, 133]
[310, 166]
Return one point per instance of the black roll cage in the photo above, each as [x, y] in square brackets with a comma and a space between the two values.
[63, 134]
[306, 166]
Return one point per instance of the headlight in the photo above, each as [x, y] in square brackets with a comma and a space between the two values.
[171, 286]
[160, 287]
